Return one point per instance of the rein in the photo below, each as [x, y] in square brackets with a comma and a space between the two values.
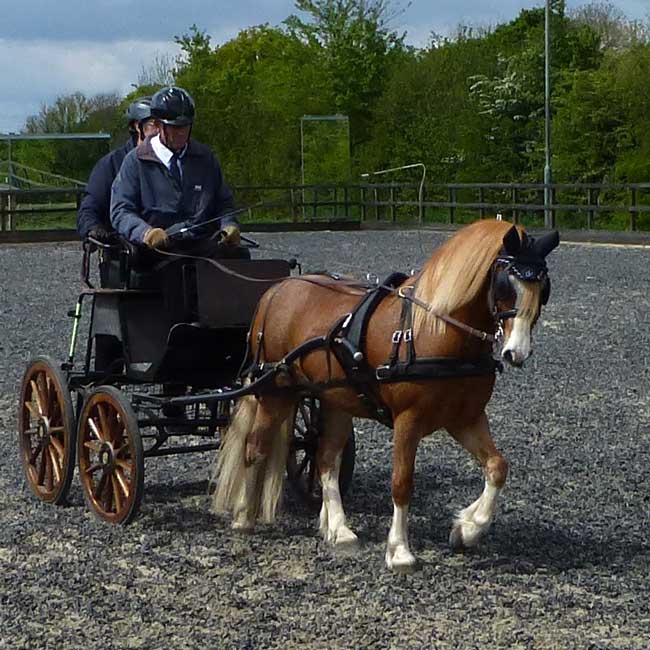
[344, 286]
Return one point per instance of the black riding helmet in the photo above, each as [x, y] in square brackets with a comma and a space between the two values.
[173, 106]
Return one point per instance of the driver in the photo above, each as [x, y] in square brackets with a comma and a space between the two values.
[171, 182]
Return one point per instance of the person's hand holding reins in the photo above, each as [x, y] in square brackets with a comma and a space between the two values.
[230, 235]
[155, 238]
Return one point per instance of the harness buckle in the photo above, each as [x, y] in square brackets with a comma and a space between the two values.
[397, 336]
[408, 335]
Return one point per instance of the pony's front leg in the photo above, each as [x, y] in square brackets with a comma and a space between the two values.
[472, 522]
[398, 553]
[337, 427]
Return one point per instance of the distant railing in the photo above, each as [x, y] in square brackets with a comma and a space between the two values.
[580, 206]
[23, 177]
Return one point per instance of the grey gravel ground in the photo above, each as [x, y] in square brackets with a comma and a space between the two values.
[565, 565]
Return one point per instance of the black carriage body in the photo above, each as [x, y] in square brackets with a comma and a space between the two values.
[159, 342]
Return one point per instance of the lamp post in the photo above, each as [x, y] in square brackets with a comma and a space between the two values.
[548, 175]
[395, 169]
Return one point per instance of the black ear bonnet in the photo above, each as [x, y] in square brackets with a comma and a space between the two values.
[525, 258]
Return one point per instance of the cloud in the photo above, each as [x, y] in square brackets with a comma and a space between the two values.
[151, 20]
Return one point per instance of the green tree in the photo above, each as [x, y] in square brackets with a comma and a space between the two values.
[356, 50]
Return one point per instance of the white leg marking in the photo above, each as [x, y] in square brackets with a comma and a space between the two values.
[398, 554]
[332, 516]
[472, 522]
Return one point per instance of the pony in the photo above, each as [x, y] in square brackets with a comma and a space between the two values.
[478, 295]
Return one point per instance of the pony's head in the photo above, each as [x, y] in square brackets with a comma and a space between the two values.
[520, 287]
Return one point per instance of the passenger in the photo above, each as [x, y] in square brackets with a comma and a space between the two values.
[93, 218]
[170, 182]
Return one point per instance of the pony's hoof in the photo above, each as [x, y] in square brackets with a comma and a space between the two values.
[400, 560]
[345, 541]
[243, 525]
[456, 539]
[465, 535]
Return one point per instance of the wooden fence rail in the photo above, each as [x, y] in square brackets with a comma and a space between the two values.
[583, 205]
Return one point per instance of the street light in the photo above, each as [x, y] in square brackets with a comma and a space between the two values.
[548, 175]
[394, 169]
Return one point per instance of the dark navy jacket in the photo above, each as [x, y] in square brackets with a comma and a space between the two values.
[95, 207]
[146, 195]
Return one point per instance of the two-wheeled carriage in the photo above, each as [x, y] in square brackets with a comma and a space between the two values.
[161, 368]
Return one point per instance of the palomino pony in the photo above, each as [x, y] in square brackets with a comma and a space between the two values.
[482, 290]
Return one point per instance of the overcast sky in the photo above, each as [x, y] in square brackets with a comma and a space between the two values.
[54, 47]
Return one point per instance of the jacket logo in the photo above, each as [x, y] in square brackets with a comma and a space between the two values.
[198, 188]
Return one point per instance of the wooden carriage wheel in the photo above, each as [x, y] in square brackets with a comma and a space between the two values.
[301, 463]
[46, 430]
[111, 456]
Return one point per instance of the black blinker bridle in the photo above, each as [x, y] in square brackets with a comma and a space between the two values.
[526, 269]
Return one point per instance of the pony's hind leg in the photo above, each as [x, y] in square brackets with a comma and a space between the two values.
[472, 522]
[337, 427]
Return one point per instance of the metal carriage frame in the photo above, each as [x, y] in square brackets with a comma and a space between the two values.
[119, 416]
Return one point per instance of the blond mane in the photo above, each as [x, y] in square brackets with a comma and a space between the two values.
[454, 275]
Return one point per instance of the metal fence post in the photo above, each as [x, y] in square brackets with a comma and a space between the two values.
[551, 196]
[633, 210]
[452, 204]
[481, 200]
[364, 213]
[515, 210]
[392, 202]
[590, 209]
[3, 210]
[376, 197]
[11, 207]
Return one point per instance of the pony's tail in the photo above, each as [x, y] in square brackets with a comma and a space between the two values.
[253, 491]
[273, 471]
[229, 469]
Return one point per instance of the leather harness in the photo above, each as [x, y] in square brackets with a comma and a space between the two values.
[346, 341]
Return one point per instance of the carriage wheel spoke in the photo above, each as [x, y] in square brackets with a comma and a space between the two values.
[123, 483]
[44, 393]
[36, 395]
[56, 443]
[93, 468]
[116, 493]
[103, 423]
[124, 465]
[95, 429]
[56, 468]
[93, 445]
[33, 410]
[107, 501]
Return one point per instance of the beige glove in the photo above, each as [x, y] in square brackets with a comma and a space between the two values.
[230, 235]
[155, 238]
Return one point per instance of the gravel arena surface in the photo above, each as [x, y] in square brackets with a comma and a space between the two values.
[564, 566]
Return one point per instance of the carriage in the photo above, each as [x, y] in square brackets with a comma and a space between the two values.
[164, 351]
